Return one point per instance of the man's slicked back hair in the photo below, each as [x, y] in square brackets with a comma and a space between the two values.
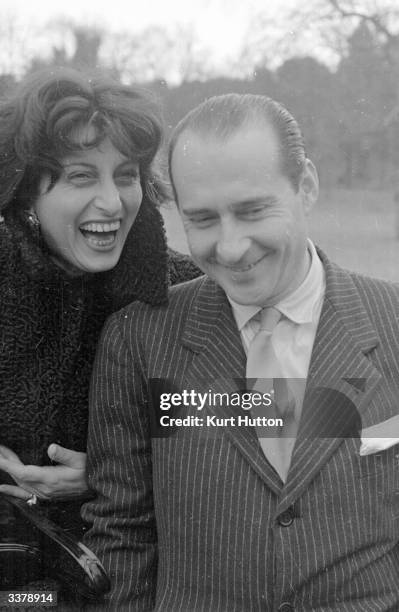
[222, 116]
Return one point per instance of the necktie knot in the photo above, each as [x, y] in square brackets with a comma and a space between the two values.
[269, 317]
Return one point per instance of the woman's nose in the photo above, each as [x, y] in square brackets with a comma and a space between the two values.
[108, 199]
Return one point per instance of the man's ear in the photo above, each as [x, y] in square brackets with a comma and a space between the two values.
[309, 186]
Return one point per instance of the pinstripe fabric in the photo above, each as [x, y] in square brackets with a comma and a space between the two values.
[190, 523]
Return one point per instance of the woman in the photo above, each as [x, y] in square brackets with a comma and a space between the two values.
[80, 236]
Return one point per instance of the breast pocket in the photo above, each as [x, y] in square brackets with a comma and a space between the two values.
[382, 464]
[379, 472]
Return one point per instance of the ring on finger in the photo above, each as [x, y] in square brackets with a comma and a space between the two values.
[32, 500]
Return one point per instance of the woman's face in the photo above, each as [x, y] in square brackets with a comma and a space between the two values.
[86, 216]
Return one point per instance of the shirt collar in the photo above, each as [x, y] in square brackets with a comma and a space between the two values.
[300, 305]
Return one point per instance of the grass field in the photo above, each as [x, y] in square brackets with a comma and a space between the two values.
[357, 229]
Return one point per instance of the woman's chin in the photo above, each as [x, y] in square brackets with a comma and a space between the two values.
[98, 262]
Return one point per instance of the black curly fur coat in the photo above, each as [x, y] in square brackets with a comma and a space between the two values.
[50, 323]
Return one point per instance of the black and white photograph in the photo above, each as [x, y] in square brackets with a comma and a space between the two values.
[199, 306]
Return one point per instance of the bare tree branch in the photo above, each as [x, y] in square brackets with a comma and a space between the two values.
[374, 18]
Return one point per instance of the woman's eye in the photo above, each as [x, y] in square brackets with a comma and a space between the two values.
[127, 178]
[80, 177]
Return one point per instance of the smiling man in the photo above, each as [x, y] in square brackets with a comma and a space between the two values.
[237, 519]
[244, 218]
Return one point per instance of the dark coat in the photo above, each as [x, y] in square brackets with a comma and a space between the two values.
[50, 323]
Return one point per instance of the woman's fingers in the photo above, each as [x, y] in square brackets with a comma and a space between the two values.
[7, 453]
[67, 457]
[14, 469]
[15, 491]
[31, 478]
[67, 479]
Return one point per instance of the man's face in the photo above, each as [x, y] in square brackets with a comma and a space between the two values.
[245, 224]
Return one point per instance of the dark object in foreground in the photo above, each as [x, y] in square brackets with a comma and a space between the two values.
[58, 555]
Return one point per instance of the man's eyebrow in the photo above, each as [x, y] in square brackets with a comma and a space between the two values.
[197, 211]
[268, 199]
[264, 199]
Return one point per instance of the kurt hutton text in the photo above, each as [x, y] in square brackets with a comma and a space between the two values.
[215, 421]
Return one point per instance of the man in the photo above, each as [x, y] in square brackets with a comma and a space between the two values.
[229, 518]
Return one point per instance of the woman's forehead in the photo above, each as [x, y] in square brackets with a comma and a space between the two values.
[105, 150]
[84, 135]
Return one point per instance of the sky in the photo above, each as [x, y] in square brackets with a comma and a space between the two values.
[220, 25]
[215, 19]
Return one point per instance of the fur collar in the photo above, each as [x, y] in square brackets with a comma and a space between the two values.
[141, 273]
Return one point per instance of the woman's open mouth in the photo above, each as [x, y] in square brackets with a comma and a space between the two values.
[99, 234]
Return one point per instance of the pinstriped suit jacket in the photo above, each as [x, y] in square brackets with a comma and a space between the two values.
[197, 522]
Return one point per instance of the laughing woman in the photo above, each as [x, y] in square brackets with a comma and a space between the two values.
[80, 236]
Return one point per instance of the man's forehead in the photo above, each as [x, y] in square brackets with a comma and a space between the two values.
[206, 137]
[255, 144]
[191, 143]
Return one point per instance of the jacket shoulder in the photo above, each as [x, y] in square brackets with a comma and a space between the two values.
[377, 293]
[141, 318]
[380, 300]
[182, 294]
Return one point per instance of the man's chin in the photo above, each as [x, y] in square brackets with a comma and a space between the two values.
[247, 295]
[243, 297]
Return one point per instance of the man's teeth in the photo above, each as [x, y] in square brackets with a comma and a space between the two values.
[101, 227]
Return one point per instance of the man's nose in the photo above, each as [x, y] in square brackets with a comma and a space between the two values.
[108, 199]
[232, 245]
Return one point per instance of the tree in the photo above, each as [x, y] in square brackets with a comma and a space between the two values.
[306, 87]
[156, 54]
[382, 90]
[367, 92]
[362, 38]
[331, 23]
[74, 46]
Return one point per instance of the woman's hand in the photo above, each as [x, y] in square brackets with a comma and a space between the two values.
[65, 480]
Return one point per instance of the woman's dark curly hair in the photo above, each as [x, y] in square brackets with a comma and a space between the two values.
[40, 124]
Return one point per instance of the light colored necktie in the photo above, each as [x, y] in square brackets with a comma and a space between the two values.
[263, 365]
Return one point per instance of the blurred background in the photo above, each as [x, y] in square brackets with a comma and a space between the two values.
[333, 63]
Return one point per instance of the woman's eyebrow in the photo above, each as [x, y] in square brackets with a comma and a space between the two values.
[128, 162]
[78, 163]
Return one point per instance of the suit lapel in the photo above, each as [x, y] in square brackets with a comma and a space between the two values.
[341, 381]
[219, 365]
[211, 332]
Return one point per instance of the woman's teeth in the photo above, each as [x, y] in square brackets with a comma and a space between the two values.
[100, 234]
[101, 227]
